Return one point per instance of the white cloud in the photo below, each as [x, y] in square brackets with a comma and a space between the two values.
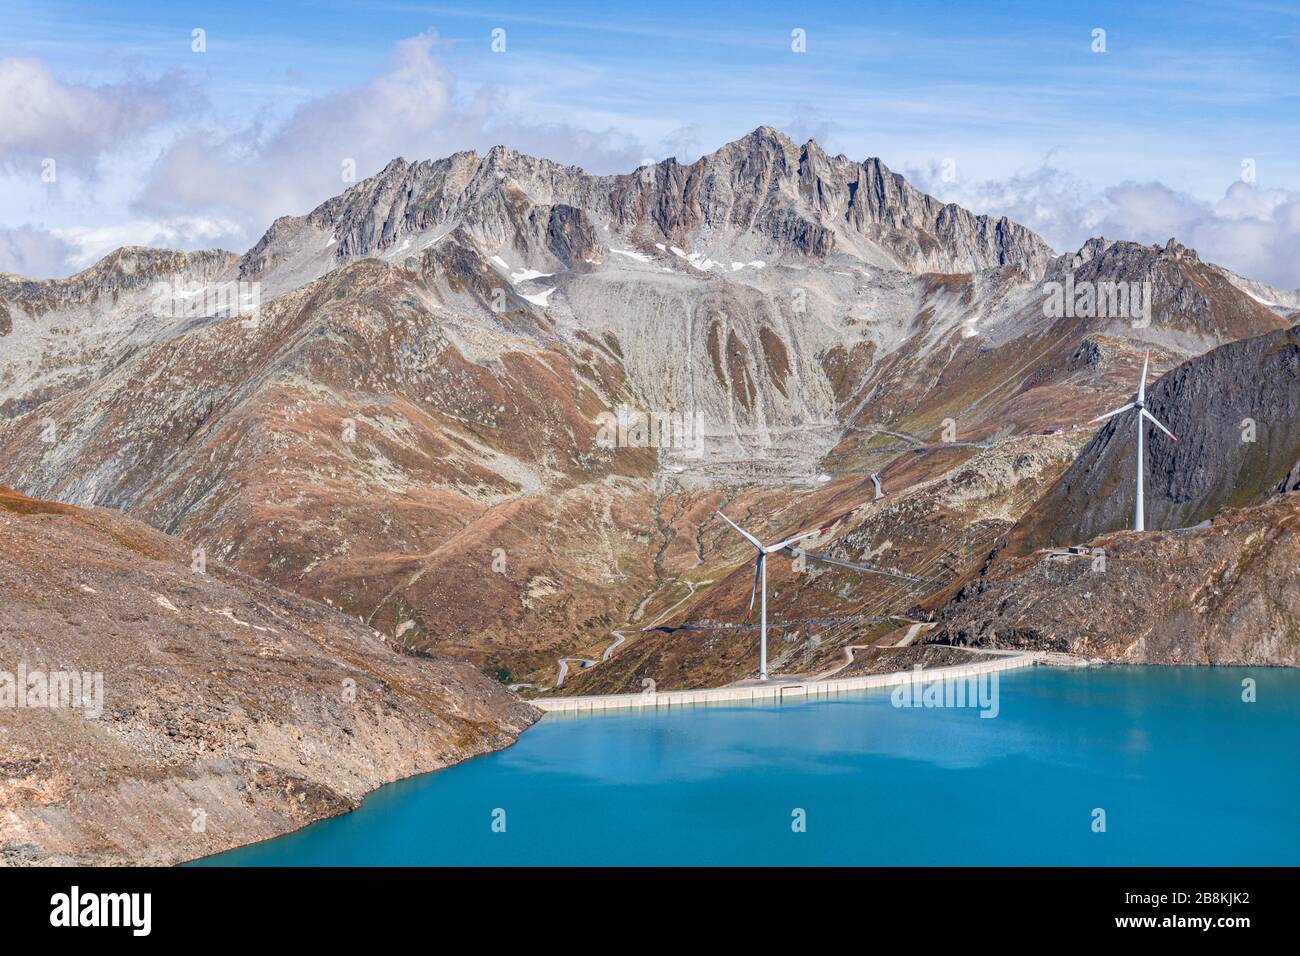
[37, 253]
[252, 175]
[87, 245]
[1252, 230]
[41, 116]
[34, 253]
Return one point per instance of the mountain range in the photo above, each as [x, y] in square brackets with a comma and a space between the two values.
[411, 424]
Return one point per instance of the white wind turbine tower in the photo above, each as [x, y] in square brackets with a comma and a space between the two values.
[760, 582]
[1139, 523]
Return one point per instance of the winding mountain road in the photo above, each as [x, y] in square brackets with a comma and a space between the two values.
[690, 594]
[619, 639]
[564, 667]
[905, 641]
[912, 632]
[609, 651]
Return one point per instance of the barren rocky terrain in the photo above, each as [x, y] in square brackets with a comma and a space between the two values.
[1214, 578]
[414, 427]
[1236, 413]
[1224, 594]
[231, 711]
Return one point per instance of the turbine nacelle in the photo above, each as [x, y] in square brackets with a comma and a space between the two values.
[770, 548]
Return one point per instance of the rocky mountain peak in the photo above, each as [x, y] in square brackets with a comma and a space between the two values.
[764, 141]
[762, 194]
[127, 267]
[1184, 294]
[1090, 250]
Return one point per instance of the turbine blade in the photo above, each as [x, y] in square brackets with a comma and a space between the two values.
[748, 537]
[1156, 422]
[758, 570]
[798, 537]
[1142, 382]
[1102, 418]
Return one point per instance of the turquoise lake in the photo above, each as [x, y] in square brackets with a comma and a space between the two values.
[1186, 772]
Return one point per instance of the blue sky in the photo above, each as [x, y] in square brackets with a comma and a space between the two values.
[163, 143]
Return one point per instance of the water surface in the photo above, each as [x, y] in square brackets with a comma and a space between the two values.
[1186, 772]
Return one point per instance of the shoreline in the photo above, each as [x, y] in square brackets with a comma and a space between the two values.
[775, 690]
[779, 689]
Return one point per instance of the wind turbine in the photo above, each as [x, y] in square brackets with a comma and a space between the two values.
[1139, 523]
[760, 582]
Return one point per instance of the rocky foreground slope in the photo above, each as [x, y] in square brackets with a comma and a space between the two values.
[1225, 594]
[215, 710]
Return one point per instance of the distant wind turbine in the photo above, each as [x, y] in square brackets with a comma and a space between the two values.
[760, 582]
[1139, 523]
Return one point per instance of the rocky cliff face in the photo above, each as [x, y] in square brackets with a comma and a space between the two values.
[56, 335]
[217, 710]
[763, 192]
[1214, 579]
[1224, 594]
[1236, 412]
[1193, 304]
[128, 268]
